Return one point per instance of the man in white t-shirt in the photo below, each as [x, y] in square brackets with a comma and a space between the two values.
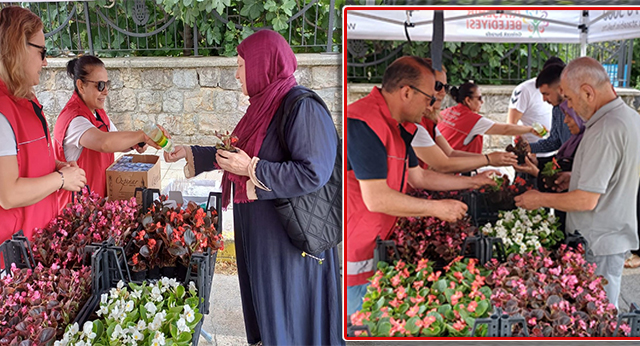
[527, 106]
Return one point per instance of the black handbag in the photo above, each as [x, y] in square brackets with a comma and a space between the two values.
[312, 221]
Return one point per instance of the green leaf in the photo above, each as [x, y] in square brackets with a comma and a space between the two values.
[444, 309]
[411, 326]
[180, 291]
[482, 307]
[98, 328]
[184, 337]
[432, 331]
[174, 330]
[110, 329]
[440, 285]
[187, 2]
[380, 303]
[384, 328]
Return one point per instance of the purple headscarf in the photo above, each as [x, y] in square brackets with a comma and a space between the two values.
[568, 149]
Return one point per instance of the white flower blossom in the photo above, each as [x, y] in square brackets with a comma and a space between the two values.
[120, 285]
[158, 339]
[142, 325]
[75, 328]
[192, 286]
[129, 306]
[156, 295]
[182, 325]
[188, 314]
[87, 329]
[137, 294]
[117, 331]
[104, 298]
[151, 308]
[137, 336]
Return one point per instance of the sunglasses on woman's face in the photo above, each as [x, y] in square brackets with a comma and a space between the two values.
[477, 97]
[101, 84]
[440, 85]
[43, 49]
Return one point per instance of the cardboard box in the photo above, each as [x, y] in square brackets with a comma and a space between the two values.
[122, 185]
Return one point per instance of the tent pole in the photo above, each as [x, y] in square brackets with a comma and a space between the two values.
[437, 41]
[584, 30]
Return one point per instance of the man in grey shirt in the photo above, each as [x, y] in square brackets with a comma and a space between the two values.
[603, 186]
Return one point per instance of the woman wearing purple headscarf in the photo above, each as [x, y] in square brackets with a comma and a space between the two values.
[287, 298]
[567, 151]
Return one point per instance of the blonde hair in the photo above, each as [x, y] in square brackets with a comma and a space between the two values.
[17, 26]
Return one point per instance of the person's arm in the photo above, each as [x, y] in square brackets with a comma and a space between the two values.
[434, 181]
[380, 198]
[436, 159]
[576, 200]
[513, 116]
[510, 130]
[312, 140]
[16, 191]
[559, 134]
[111, 142]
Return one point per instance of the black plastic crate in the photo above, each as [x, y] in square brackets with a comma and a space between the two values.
[16, 250]
[109, 266]
[483, 209]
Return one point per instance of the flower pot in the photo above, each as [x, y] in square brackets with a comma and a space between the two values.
[139, 276]
[169, 272]
[181, 272]
[550, 181]
[153, 273]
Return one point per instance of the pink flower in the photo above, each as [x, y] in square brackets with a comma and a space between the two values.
[395, 281]
[399, 265]
[532, 321]
[418, 284]
[426, 322]
[422, 264]
[459, 325]
[417, 300]
[458, 276]
[398, 326]
[472, 306]
[413, 310]
[456, 297]
[400, 292]
[433, 277]
[555, 271]
[547, 262]
[395, 303]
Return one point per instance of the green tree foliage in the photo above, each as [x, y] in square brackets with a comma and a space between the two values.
[221, 25]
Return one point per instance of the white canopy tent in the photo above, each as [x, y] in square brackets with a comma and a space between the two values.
[522, 25]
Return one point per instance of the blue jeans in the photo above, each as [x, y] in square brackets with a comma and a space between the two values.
[354, 297]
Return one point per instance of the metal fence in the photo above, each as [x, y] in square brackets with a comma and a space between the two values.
[142, 27]
[516, 62]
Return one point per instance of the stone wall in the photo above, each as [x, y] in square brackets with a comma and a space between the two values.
[191, 97]
[495, 106]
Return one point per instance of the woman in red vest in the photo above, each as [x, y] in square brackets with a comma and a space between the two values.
[463, 127]
[434, 151]
[30, 175]
[83, 131]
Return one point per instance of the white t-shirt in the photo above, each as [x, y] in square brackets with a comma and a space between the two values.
[8, 145]
[480, 128]
[528, 100]
[77, 127]
[423, 139]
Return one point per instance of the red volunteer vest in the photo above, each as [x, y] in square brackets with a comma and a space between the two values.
[93, 162]
[363, 226]
[35, 159]
[457, 122]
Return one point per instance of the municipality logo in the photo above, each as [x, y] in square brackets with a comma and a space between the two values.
[536, 26]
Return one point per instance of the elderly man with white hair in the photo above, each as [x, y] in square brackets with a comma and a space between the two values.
[601, 201]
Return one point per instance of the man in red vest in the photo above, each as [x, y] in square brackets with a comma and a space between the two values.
[381, 164]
